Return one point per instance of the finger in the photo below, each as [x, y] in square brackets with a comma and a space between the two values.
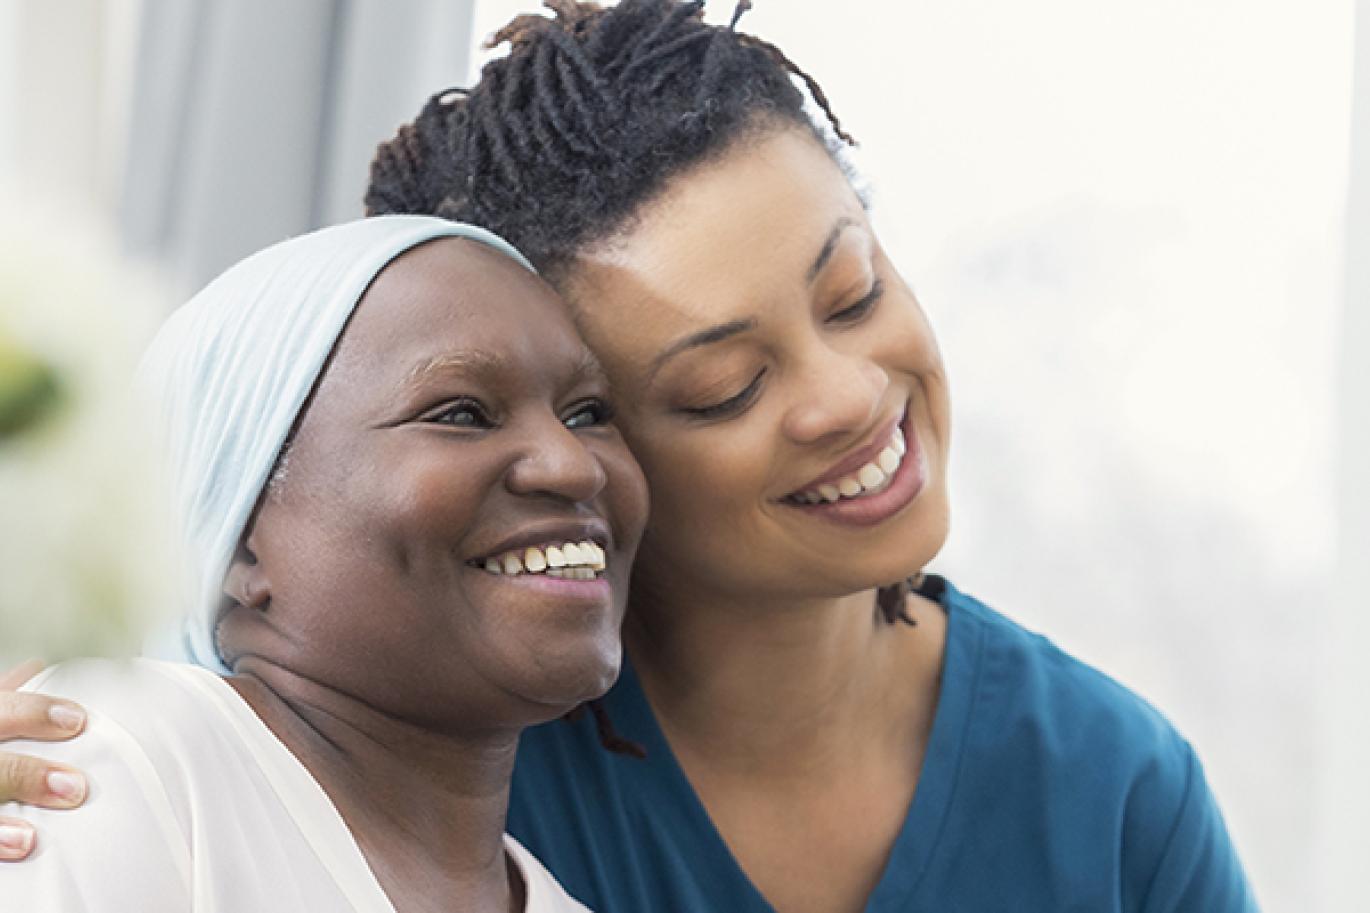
[31, 781]
[37, 716]
[20, 674]
[16, 839]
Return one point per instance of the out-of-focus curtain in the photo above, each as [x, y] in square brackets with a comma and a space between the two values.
[254, 120]
[1345, 794]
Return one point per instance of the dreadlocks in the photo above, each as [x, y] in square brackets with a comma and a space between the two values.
[586, 119]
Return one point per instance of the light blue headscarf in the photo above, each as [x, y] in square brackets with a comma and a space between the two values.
[230, 370]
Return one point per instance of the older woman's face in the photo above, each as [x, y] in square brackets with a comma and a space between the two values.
[457, 442]
[780, 384]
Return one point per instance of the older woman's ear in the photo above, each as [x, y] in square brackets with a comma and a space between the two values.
[245, 583]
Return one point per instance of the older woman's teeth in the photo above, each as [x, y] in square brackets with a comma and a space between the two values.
[869, 479]
[570, 560]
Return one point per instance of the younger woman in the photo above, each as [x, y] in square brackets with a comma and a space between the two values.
[808, 747]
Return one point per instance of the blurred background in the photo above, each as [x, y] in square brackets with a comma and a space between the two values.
[1141, 230]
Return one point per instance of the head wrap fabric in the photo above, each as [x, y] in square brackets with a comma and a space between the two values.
[229, 372]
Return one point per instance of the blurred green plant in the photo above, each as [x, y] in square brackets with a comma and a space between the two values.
[87, 563]
[29, 388]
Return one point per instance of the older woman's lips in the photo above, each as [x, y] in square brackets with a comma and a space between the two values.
[596, 589]
[543, 559]
[865, 504]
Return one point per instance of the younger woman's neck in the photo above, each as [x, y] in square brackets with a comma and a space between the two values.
[427, 808]
[783, 689]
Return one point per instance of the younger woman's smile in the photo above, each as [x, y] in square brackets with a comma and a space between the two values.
[872, 484]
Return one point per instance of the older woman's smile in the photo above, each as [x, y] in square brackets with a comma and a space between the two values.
[567, 564]
[549, 548]
[566, 559]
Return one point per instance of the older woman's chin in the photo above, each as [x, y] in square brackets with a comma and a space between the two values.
[568, 679]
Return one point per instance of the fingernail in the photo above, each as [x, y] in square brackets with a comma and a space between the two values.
[68, 786]
[15, 840]
[68, 718]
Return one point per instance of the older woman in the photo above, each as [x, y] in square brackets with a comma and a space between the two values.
[410, 526]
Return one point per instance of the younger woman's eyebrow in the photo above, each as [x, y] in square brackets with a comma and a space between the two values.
[732, 328]
[702, 338]
[829, 246]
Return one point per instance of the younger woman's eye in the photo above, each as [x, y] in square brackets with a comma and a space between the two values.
[861, 308]
[464, 413]
[730, 406]
[589, 413]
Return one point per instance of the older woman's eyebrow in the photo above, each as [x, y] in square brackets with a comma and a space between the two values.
[491, 364]
[474, 362]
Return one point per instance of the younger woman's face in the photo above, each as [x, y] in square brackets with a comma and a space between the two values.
[778, 380]
[458, 440]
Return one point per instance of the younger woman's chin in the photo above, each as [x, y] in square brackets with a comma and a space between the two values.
[905, 555]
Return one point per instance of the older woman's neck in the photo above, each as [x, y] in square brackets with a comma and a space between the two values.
[427, 808]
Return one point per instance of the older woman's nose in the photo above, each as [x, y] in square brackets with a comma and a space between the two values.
[558, 463]
[836, 393]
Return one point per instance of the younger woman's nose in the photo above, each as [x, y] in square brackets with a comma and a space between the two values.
[838, 394]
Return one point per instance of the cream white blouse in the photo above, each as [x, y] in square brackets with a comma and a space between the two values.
[195, 805]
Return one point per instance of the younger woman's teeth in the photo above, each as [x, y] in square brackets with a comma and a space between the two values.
[870, 479]
[572, 560]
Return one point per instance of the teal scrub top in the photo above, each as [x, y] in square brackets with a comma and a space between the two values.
[1046, 786]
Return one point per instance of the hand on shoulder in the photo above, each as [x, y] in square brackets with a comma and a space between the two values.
[28, 780]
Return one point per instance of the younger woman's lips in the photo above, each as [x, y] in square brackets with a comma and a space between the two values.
[869, 510]
[855, 460]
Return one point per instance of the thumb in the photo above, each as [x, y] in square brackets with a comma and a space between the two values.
[21, 673]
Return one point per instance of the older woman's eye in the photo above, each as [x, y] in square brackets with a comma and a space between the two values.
[861, 308]
[466, 413]
[589, 414]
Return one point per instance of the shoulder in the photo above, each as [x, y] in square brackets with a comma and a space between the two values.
[153, 718]
[1099, 772]
[116, 687]
[154, 709]
[1028, 688]
[137, 715]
